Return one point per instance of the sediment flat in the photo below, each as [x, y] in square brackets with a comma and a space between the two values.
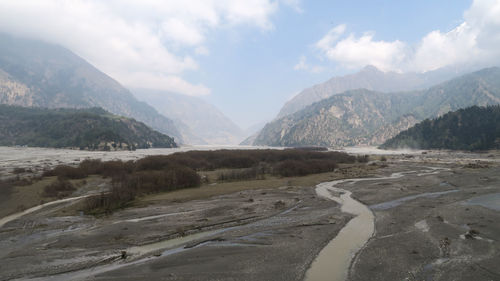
[276, 233]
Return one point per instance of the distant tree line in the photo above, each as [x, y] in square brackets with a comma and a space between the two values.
[472, 128]
[90, 129]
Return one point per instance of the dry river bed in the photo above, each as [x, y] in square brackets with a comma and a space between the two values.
[436, 217]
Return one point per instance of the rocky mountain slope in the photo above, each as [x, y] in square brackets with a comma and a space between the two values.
[472, 128]
[368, 117]
[198, 121]
[91, 129]
[369, 78]
[34, 73]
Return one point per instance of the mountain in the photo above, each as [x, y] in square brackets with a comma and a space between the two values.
[369, 78]
[198, 121]
[34, 73]
[367, 117]
[92, 129]
[252, 132]
[472, 128]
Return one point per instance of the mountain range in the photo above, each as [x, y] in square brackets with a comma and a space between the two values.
[38, 74]
[368, 117]
[370, 78]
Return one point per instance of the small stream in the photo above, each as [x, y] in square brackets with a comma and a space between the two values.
[335, 258]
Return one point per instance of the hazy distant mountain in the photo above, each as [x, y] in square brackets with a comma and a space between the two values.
[369, 78]
[198, 121]
[252, 132]
[34, 73]
[472, 128]
[91, 129]
[368, 117]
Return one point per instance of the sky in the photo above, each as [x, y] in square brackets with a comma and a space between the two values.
[248, 57]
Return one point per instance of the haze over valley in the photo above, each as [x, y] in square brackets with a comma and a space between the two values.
[249, 140]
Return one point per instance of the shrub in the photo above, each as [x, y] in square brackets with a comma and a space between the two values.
[175, 177]
[292, 168]
[60, 188]
[19, 170]
[241, 174]
[66, 172]
[91, 166]
[363, 158]
[116, 168]
[119, 197]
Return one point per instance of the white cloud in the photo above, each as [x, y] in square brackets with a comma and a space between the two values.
[294, 4]
[180, 32]
[331, 37]
[165, 82]
[303, 65]
[475, 41]
[354, 52]
[141, 43]
[202, 51]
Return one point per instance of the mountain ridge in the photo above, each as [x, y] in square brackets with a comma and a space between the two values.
[370, 78]
[362, 116]
[35, 73]
[471, 128]
[90, 129]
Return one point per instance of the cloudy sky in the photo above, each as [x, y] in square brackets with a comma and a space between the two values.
[248, 57]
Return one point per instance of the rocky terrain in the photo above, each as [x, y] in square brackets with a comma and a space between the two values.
[369, 78]
[434, 217]
[367, 117]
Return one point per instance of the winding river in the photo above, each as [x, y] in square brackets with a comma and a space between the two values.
[334, 260]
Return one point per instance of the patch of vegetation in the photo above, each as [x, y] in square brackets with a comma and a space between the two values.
[59, 189]
[290, 168]
[19, 171]
[161, 173]
[472, 128]
[242, 174]
[91, 129]
[66, 172]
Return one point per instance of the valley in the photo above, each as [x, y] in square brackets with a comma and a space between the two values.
[264, 140]
[431, 222]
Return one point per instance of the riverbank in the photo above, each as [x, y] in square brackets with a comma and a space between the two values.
[424, 229]
[432, 225]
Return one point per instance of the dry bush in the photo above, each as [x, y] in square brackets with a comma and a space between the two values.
[61, 188]
[91, 166]
[105, 203]
[241, 174]
[363, 158]
[66, 172]
[293, 168]
[19, 171]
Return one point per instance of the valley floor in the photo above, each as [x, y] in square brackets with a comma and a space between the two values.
[439, 221]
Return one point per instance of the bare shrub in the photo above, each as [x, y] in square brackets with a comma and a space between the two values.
[61, 188]
[66, 172]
